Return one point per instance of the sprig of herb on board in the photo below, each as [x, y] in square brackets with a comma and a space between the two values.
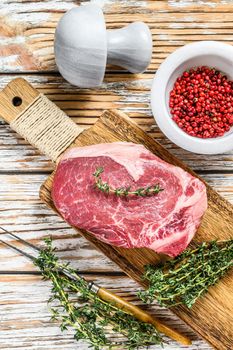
[124, 191]
[187, 277]
[76, 306]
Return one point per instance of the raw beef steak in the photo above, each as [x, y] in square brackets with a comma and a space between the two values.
[165, 222]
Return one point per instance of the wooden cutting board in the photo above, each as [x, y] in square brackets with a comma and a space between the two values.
[212, 315]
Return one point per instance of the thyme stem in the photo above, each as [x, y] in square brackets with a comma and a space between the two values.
[77, 307]
[124, 191]
[187, 277]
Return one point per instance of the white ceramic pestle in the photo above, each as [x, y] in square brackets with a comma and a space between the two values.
[83, 46]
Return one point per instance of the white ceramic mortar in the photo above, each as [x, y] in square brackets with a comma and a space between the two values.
[205, 53]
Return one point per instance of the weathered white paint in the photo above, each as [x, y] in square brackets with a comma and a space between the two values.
[34, 12]
[187, 3]
[189, 25]
[130, 94]
[32, 325]
[22, 212]
[7, 62]
[19, 39]
[24, 315]
[22, 18]
[107, 3]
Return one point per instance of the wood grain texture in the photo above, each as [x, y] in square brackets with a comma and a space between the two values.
[26, 45]
[211, 316]
[126, 92]
[27, 28]
[22, 212]
[10, 109]
[143, 316]
[25, 318]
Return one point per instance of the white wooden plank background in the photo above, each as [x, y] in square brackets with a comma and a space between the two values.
[26, 48]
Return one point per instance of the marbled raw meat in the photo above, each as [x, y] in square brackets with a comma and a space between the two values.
[165, 222]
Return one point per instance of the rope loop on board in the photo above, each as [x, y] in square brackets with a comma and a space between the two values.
[46, 127]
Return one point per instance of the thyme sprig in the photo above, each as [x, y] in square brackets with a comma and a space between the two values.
[187, 277]
[124, 191]
[76, 306]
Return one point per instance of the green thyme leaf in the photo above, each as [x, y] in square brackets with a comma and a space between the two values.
[75, 306]
[186, 278]
[124, 191]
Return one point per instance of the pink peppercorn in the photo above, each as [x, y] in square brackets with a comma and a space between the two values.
[201, 102]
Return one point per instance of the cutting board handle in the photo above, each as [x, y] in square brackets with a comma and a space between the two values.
[37, 119]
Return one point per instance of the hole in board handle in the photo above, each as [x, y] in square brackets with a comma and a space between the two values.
[17, 101]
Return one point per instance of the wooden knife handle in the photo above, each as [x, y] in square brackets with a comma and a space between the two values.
[142, 316]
